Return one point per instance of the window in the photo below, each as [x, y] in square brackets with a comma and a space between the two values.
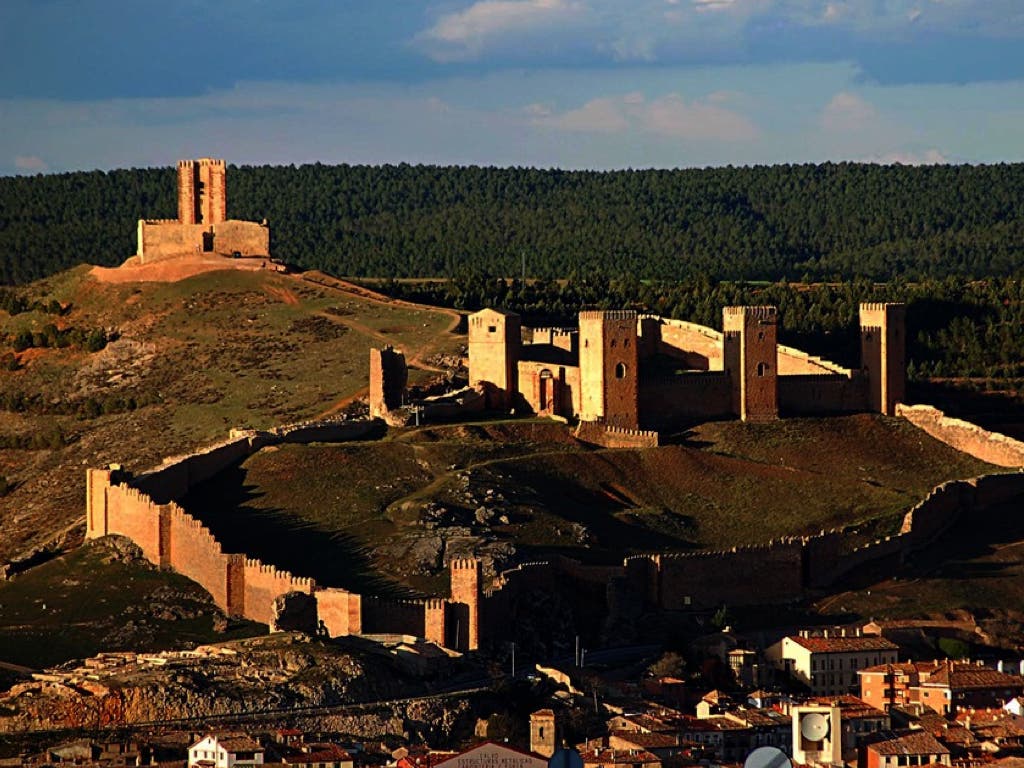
[625, 343]
[614, 343]
[620, 371]
[492, 329]
[762, 369]
[760, 335]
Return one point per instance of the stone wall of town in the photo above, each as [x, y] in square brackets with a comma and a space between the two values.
[988, 446]
[144, 509]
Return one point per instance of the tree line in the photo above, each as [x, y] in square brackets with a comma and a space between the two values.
[800, 222]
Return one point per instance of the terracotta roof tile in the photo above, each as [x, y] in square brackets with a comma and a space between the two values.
[844, 644]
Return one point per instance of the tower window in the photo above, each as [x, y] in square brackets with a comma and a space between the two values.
[762, 369]
[760, 335]
[492, 329]
[620, 371]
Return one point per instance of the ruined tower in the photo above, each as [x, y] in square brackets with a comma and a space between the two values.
[542, 733]
[202, 191]
[388, 378]
[464, 621]
[751, 358]
[609, 367]
[883, 354]
[495, 340]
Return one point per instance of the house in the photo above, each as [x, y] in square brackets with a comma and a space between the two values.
[942, 686]
[890, 750]
[829, 663]
[225, 750]
[859, 719]
[609, 757]
[319, 755]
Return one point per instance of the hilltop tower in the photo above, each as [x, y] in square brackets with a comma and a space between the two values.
[883, 354]
[202, 191]
[542, 733]
[495, 340]
[609, 368]
[751, 357]
[465, 602]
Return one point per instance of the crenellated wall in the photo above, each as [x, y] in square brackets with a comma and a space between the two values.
[169, 537]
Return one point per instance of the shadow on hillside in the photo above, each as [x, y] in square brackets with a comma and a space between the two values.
[282, 539]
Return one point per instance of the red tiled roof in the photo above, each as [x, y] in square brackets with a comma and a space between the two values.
[913, 743]
[850, 706]
[617, 756]
[844, 644]
[647, 740]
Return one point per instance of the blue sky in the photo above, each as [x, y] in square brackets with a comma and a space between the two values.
[552, 83]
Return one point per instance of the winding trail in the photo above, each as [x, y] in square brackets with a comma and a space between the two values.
[419, 358]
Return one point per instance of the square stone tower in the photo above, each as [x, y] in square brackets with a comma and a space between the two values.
[542, 733]
[466, 580]
[202, 191]
[495, 341]
[751, 358]
[609, 368]
[883, 354]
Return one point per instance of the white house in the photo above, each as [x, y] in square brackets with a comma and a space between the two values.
[226, 750]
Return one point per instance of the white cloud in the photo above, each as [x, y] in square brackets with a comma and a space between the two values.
[604, 115]
[848, 112]
[672, 116]
[669, 116]
[30, 163]
[464, 34]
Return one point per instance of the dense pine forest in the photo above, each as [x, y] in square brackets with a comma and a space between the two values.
[825, 222]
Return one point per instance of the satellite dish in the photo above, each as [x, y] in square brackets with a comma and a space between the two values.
[814, 726]
[565, 758]
[767, 757]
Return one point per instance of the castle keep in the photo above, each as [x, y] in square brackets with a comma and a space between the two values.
[202, 226]
[629, 372]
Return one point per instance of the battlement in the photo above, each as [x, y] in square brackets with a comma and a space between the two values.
[882, 306]
[608, 314]
[464, 564]
[760, 313]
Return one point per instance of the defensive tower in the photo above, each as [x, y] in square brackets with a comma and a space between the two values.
[495, 340]
[202, 191]
[609, 367]
[751, 358]
[388, 378]
[883, 354]
[466, 578]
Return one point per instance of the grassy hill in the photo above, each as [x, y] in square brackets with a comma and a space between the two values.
[334, 513]
[191, 359]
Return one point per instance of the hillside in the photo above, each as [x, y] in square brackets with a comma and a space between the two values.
[523, 491]
[419, 221]
[188, 360]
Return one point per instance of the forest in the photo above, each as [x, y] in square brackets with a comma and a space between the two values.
[803, 222]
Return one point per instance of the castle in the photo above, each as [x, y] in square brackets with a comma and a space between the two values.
[202, 227]
[630, 372]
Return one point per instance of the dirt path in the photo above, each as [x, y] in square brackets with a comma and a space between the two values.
[419, 357]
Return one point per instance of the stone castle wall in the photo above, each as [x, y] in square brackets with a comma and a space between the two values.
[817, 393]
[991, 447]
[170, 537]
[671, 402]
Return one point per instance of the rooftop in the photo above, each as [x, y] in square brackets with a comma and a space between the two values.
[844, 644]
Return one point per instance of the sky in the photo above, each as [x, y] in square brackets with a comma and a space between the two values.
[600, 84]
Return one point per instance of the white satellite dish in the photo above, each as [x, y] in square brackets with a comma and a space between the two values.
[767, 757]
[814, 726]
